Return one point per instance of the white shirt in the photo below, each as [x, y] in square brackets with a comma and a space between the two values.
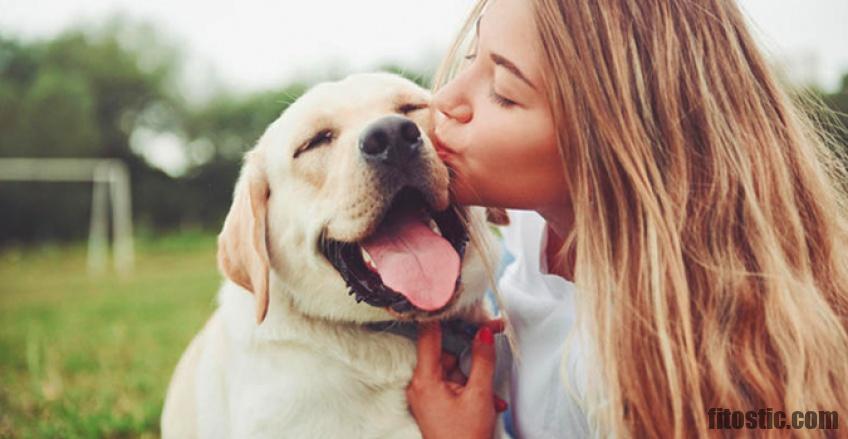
[540, 307]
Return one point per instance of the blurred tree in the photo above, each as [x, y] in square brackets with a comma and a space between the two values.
[58, 117]
[18, 67]
[233, 124]
[219, 133]
[78, 95]
[86, 94]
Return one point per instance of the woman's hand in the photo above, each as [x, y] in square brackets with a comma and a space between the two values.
[443, 403]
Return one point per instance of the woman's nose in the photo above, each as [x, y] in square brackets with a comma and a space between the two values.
[451, 105]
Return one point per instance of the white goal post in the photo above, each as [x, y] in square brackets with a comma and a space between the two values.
[111, 181]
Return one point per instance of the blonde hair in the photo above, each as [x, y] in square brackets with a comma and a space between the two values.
[710, 229]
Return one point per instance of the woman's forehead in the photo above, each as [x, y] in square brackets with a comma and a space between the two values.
[508, 28]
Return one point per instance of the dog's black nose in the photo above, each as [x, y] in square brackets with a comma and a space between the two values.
[392, 140]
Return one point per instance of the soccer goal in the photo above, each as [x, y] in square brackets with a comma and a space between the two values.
[111, 187]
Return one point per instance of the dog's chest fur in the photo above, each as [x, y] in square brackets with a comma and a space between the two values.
[310, 378]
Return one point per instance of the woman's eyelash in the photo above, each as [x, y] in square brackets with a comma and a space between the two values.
[500, 100]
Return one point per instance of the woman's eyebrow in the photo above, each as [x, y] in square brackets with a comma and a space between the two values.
[509, 65]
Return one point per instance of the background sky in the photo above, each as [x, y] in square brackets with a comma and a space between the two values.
[248, 45]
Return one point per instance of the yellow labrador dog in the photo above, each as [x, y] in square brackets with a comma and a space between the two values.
[340, 221]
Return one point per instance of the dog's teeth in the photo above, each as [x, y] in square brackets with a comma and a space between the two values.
[368, 261]
[434, 227]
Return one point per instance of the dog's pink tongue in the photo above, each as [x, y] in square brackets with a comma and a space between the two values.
[414, 261]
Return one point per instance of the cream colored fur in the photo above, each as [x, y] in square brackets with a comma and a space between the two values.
[309, 369]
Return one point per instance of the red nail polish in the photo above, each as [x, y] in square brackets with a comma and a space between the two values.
[486, 336]
[500, 405]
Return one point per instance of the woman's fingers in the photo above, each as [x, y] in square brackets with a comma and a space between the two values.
[449, 362]
[429, 351]
[496, 325]
[456, 376]
[482, 361]
[433, 364]
[483, 353]
[500, 405]
[456, 388]
[451, 370]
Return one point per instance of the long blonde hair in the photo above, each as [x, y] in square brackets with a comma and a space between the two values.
[710, 229]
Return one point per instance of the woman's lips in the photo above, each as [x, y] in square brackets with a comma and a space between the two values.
[441, 148]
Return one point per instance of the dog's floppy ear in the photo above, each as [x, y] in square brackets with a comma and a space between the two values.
[242, 246]
[497, 216]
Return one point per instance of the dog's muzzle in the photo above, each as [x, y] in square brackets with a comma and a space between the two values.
[391, 142]
[410, 258]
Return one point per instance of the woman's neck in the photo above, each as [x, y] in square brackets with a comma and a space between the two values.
[559, 222]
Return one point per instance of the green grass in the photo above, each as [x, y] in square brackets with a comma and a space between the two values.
[91, 356]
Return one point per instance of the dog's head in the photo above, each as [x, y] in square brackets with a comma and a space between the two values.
[345, 202]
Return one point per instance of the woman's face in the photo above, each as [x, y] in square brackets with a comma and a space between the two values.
[493, 125]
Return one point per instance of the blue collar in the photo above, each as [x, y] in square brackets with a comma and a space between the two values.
[457, 335]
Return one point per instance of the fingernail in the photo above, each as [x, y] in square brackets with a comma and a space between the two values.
[500, 405]
[500, 326]
[486, 336]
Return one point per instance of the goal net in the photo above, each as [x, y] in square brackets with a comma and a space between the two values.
[111, 187]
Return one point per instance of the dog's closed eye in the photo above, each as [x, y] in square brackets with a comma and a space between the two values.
[322, 137]
[409, 108]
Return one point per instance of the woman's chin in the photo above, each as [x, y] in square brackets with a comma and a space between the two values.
[460, 194]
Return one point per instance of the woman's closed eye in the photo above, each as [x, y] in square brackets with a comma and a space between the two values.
[500, 100]
[497, 98]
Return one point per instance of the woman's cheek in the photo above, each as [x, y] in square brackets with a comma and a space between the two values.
[461, 188]
[466, 181]
[468, 187]
[481, 182]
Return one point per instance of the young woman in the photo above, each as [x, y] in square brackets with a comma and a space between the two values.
[682, 244]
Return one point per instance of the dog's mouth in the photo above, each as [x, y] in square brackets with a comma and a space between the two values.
[411, 262]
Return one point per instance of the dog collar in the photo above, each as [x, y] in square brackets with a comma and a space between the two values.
[457, 335]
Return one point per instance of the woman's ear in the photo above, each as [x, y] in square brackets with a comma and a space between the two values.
[242, 245]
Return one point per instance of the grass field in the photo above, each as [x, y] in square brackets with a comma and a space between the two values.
[91, 357]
